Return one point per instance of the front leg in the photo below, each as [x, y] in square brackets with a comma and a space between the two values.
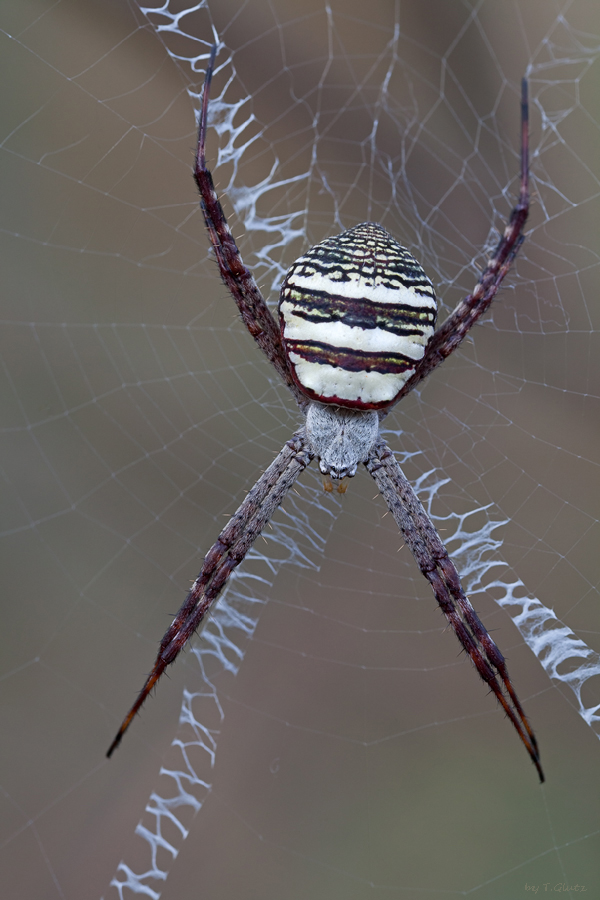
[432, 558]
[224, 556]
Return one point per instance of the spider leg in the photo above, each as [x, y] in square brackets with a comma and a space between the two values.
[435, 564]
[226, 553]
[451, 334]
[238, 279]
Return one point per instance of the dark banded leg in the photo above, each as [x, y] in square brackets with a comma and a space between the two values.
[223, 557]
[433, 561]
[454, 330]
[254, 311]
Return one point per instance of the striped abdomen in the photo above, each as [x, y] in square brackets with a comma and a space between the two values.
[356, 312]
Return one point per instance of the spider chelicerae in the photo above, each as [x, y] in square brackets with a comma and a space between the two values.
[355, 335]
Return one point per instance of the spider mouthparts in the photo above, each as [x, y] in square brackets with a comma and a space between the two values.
[342, 484]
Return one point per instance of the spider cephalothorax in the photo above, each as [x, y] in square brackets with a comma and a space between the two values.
[357, 317]
[340, 438]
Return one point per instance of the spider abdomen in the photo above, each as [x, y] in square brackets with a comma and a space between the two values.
[356, 313]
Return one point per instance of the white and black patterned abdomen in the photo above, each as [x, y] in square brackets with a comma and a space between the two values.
[356, 313]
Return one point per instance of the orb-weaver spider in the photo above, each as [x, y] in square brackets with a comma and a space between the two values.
[356, 334]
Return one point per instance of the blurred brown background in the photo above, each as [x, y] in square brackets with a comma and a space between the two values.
[358, 755]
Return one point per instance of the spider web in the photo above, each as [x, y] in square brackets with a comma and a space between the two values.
[330, 741]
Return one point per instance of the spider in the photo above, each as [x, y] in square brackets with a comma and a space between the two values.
[355, 335]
